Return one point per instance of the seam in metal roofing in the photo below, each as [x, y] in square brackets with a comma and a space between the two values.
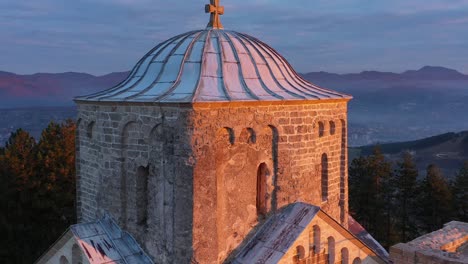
[104, 242]
[212, 65]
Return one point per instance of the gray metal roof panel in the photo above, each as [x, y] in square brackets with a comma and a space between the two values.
[212, 65]
[104, 242]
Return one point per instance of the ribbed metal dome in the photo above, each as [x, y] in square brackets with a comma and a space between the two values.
[212, 65]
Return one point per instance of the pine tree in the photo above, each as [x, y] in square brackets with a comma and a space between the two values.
[435, 200]
[460, 193]
[406, 184]
[371, 195]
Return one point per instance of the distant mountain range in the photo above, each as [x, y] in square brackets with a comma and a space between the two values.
[425, 73]
[58, 89]
[387, 107]
[51, 89]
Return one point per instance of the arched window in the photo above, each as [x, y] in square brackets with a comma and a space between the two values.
[344, 256]
[357, 261]
[262, 173]
[321, 129]
[331, 250]
[76, 255]
[142, 194]
[316, 229]
[300, 254]
[64, 260]
[90, 130]
[332, 128]
[324, 165]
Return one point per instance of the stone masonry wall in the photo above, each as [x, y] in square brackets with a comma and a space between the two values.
[322, 242]
[114, 144]
[202, 165]
[287, 140]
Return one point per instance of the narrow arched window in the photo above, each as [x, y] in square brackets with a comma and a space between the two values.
[331, 250]
[357, 261]
[64, 260]
[142, 194]
[324, 165]
[316, 229]
[90, 130]
[262, 173]
[300, 252]
[76, 255]
[332, 128]
[321, 129]
[344, 256]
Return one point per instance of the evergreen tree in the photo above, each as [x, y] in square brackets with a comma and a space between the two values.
[435, 200]
[371, 195]
[37, 191]
[460, 193]
[17, 217]
[406, 184]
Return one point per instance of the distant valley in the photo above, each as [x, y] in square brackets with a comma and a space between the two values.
[448, 151]
[387, 107]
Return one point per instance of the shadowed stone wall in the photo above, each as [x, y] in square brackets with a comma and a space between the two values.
[125, 139]
[203, 169]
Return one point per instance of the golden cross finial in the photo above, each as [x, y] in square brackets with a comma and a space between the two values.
[216, 10]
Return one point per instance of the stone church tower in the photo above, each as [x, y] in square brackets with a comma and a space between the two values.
[211, 133]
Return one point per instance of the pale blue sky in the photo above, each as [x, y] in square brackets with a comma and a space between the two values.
[102, 36]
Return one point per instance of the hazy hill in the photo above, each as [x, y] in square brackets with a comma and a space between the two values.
[387, 107]
[51, 89]
[448, 151]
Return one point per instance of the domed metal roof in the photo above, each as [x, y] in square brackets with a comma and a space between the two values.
[213, 65]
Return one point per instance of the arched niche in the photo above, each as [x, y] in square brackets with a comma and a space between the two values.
[248, 136]
[300, 254]
[332, 127]
[344, 256]
[316, 234]
[142, 195]
[331, 249]
[91, 130]
[77, 257]
[324, 176]
[321, 129]
[263, 173]
[225, 136]
[357, 261]
[64, 260]
[128, 169]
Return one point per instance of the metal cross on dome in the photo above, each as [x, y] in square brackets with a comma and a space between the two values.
[216, 10]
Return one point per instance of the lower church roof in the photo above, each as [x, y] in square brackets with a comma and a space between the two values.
[275, 237]
[101, 242]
